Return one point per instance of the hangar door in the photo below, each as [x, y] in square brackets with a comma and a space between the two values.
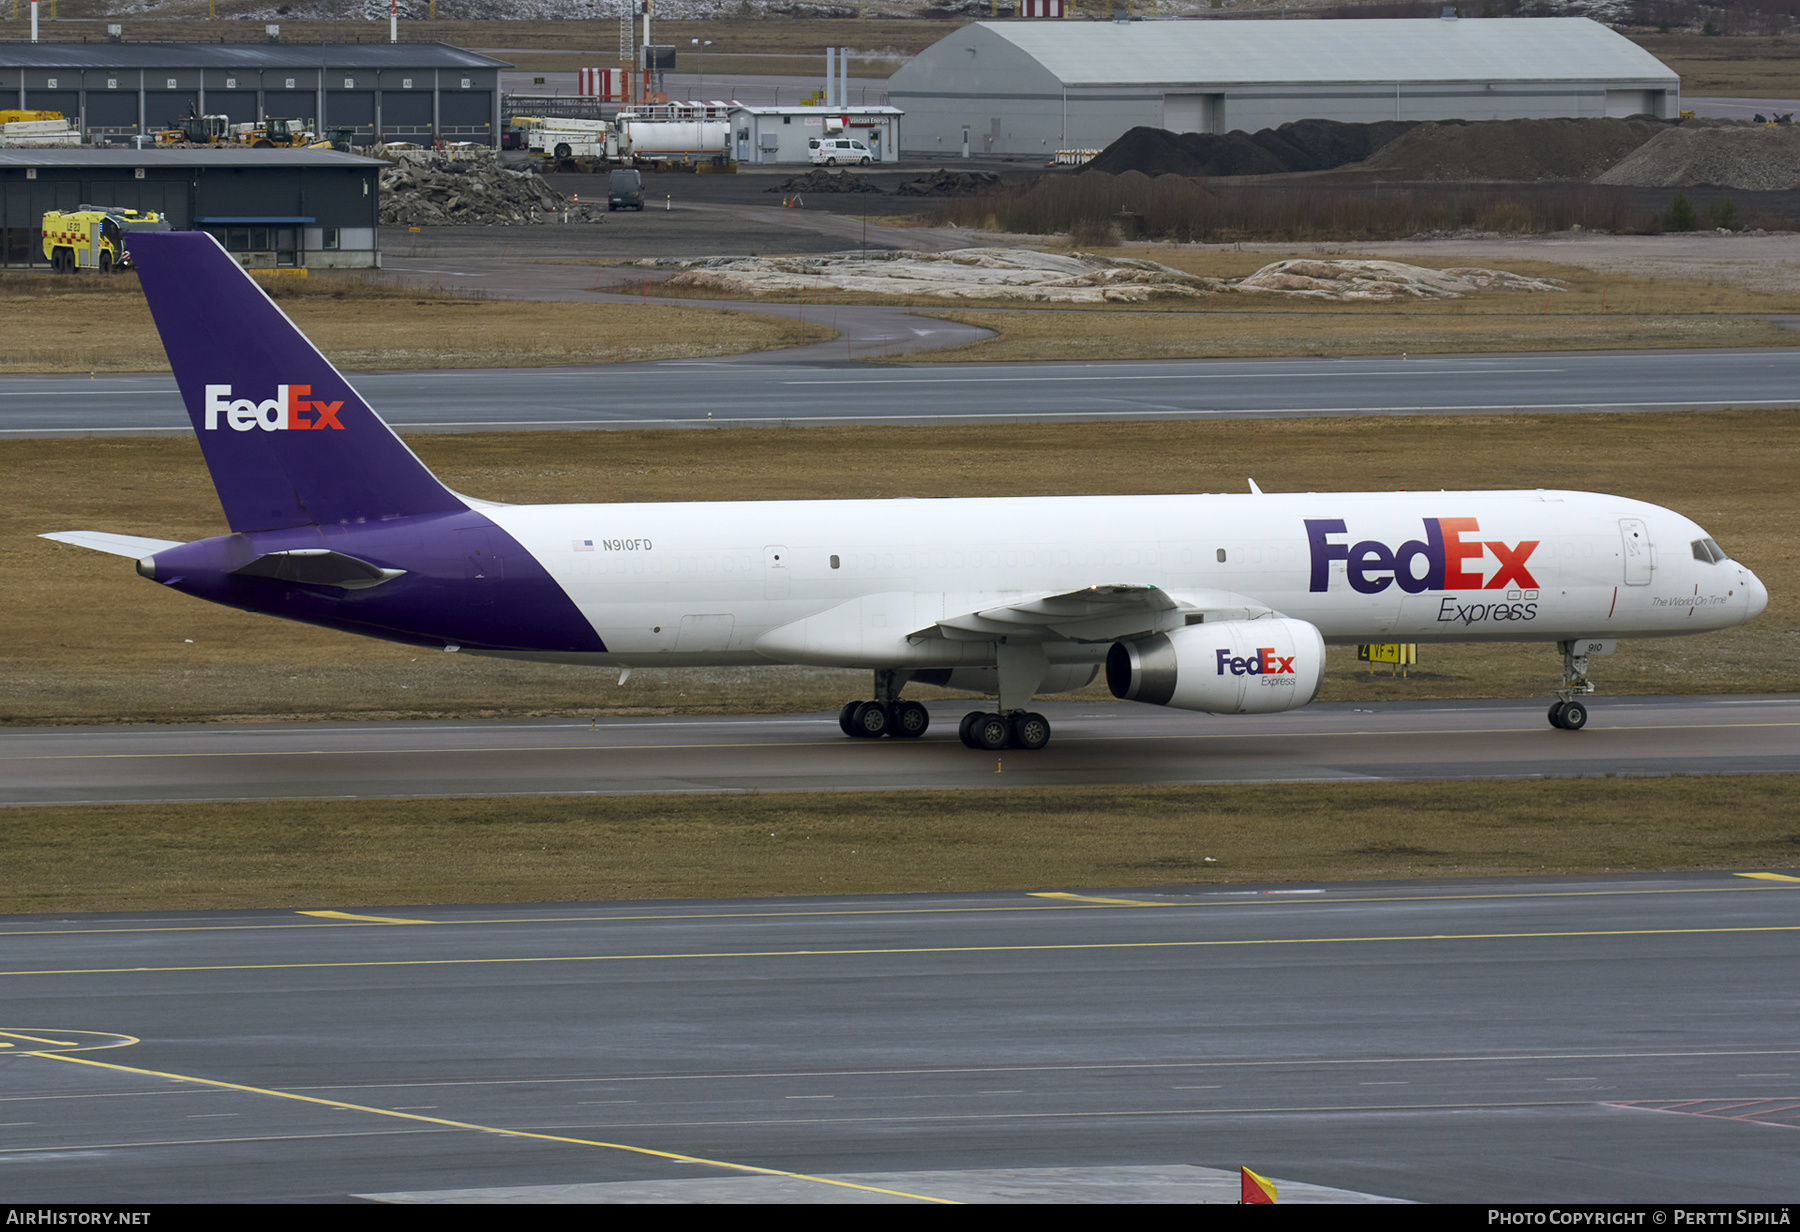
[1623, 103]
[240, 105]
[112, 111]
[405, 113]
[300, 105]
[465, 113]
[167, 108]
[1194, 113]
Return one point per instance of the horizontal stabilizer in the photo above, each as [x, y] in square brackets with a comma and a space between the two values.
[319, 567]
[134, 546]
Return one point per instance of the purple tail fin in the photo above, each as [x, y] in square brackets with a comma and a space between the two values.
[289, 443]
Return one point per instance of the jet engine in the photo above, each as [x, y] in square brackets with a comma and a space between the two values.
[1232, 667]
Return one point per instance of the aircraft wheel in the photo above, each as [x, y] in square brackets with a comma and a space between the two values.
[1574, 716]
[909, 720]
[991, 732]
[845, 715]
[870, 719]
[1556, 714]
[965, 729]
[1030, 731]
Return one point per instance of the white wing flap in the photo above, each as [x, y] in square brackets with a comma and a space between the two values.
[1095, 614]
[134, 546]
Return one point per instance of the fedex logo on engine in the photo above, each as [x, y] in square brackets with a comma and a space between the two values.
[1372, 566]
[291, 407]
[1265, 662]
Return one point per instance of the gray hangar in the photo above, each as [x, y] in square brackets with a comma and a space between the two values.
[420, 92]
[1034, 87]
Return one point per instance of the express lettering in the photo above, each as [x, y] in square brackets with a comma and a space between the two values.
[1449, 610]
[292, 407]
[1436, 562]
[1265, 662]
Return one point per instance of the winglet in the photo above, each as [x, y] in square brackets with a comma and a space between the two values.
[1258, 491]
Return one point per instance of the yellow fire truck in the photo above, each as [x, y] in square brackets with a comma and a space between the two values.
[93, 236]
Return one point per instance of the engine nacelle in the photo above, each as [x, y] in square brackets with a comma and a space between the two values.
[1232, 667]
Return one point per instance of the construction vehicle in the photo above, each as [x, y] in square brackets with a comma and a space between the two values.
[272, 134]
[337, 139]
[93, 236]
[197, 130]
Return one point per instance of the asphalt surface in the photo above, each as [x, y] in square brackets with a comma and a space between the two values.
[1093, 744]
[1567, 1040]
[766, 390]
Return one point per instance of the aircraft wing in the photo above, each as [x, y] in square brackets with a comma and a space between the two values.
[134, 546]
[1093, 614]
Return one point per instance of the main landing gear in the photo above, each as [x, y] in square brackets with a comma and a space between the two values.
[993, 732]
[1568, 712]
[887, 715]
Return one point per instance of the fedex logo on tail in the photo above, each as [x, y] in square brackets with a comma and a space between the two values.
[1372, 566]
[291, 407]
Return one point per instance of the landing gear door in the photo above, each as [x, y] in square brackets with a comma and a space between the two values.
[1638, 562]
[776, 572]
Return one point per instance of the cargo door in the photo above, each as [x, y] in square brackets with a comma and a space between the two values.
[1638, 559]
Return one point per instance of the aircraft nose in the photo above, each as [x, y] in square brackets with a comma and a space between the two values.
[1757, 597]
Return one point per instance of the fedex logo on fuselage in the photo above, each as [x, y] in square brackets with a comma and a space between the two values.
[291, 407]
[1372, 566]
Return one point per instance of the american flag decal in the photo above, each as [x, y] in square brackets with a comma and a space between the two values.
[582, 545]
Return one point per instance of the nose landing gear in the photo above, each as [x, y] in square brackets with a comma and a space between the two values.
[1568, 712]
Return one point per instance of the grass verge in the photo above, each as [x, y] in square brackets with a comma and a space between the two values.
[1048, 336]
[337, 854]
[85, 323]
[88, 641]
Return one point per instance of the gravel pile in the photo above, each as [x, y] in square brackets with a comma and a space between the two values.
[1511, 149]
[433, 189]
[1752, 158]
[942, 183]
[821, 181]
[1305, 145]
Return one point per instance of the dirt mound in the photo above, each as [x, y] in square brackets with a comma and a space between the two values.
[1381, 280]
[1304, 145]
[1511, 149]
[428, 189]
[942, 183]
[1759, 158]
[821, 181]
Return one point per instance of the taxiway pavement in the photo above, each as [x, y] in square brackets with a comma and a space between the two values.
[1606, 1039]
[1093, 744]
[754, 390]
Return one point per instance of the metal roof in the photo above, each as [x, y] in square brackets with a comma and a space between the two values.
[1339, 51]
[242, 55]
[82, 160]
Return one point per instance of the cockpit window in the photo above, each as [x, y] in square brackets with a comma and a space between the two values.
[1708, 551]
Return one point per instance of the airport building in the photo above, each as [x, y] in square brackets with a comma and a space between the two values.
[783, 134]
[270, 208]
[1034, 87]
[420, 92]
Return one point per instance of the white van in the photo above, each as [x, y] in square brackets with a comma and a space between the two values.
[834, 150]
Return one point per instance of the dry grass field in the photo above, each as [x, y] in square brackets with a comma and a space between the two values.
[390, 853]
[89, 641]
[85, 323]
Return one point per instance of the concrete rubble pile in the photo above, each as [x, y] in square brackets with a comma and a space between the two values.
[468, 186]
[819, 180]
[1070, 278]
